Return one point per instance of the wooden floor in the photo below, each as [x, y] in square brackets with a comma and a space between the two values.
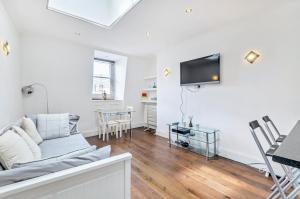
[162, 172]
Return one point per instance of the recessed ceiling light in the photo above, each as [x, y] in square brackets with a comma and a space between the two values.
[188, 10]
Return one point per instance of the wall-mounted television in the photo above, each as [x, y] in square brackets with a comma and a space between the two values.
[205, 70]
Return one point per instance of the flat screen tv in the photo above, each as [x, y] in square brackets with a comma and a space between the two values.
[200, 71]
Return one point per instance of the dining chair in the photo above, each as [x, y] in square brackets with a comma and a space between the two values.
[106, 127]
[283, 184]
[125, 121]
[269, 124]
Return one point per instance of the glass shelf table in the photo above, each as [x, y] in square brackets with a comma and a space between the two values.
[201, 140]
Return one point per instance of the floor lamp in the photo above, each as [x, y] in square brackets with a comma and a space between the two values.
[29, 89]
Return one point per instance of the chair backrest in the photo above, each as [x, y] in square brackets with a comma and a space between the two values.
[101, 118]
[269, 124]
[254, 126]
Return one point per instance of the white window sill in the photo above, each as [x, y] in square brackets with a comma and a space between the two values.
[101, 101]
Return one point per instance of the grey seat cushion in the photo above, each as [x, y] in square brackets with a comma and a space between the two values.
[57, 158]
[61, 146]
[28, 172]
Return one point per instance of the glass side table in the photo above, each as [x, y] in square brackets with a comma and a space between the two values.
[200, 140]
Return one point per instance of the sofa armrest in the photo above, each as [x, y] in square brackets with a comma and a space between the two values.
[87, 181]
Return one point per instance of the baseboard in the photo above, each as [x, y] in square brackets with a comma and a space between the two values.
[94, 132]
[239, 157]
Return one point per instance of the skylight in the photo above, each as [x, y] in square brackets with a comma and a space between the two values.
[103, 13]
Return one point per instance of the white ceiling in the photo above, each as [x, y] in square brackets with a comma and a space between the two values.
[165, 20]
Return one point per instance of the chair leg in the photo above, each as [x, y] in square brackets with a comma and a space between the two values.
[116, 128]
[99, 132]
[121, 129]
[103, 133]
[126, 128]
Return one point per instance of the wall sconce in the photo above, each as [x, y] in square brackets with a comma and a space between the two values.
[29, 90]
[252, 56]
[167, 72]
[5, 48]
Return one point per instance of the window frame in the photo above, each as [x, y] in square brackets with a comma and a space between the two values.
[110, 96]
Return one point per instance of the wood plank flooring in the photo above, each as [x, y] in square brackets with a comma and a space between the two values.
[162, 172]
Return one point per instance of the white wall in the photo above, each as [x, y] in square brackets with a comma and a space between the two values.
[10, 73]
[66, 69]
[247, 92]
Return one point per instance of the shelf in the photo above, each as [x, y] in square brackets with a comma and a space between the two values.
[149, 101]
[150, 89]
[197, 138]
[196, 149]
[150, 78]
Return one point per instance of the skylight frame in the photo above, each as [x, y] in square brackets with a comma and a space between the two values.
[90, 21]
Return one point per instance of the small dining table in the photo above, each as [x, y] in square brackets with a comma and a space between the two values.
[288, 152]
[111, 112]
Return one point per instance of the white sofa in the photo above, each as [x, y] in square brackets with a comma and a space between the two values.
[108, 178]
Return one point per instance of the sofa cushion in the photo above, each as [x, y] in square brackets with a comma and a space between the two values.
[13, 149]
[57, 158]
[30, 128]
[61, 146]
[34, 148]
[25, 173]
[33, 117]
[51, 126]
[73, 123]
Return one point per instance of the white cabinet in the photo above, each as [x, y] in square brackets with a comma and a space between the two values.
[150, 115]
[149, 99]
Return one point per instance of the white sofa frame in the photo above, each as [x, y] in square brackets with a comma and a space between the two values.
[108, 179]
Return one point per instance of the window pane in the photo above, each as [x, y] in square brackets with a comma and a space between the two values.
[101, 12]
[102, 69]
[102, 77]
[100, 85]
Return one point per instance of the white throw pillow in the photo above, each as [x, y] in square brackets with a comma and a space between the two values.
[30, 128]
[51, 126]
[35, 149]
[13, 149]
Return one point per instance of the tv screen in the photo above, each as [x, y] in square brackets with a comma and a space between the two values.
[200, 71]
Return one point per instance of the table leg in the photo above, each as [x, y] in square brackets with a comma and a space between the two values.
[215, 144]
[130, 125]
[170, 136]
[207, 147]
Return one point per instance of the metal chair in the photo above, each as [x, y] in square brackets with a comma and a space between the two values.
[287, 181]
[270, 124]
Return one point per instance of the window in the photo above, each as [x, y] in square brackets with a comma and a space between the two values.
[103, 74]
[104, 13]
